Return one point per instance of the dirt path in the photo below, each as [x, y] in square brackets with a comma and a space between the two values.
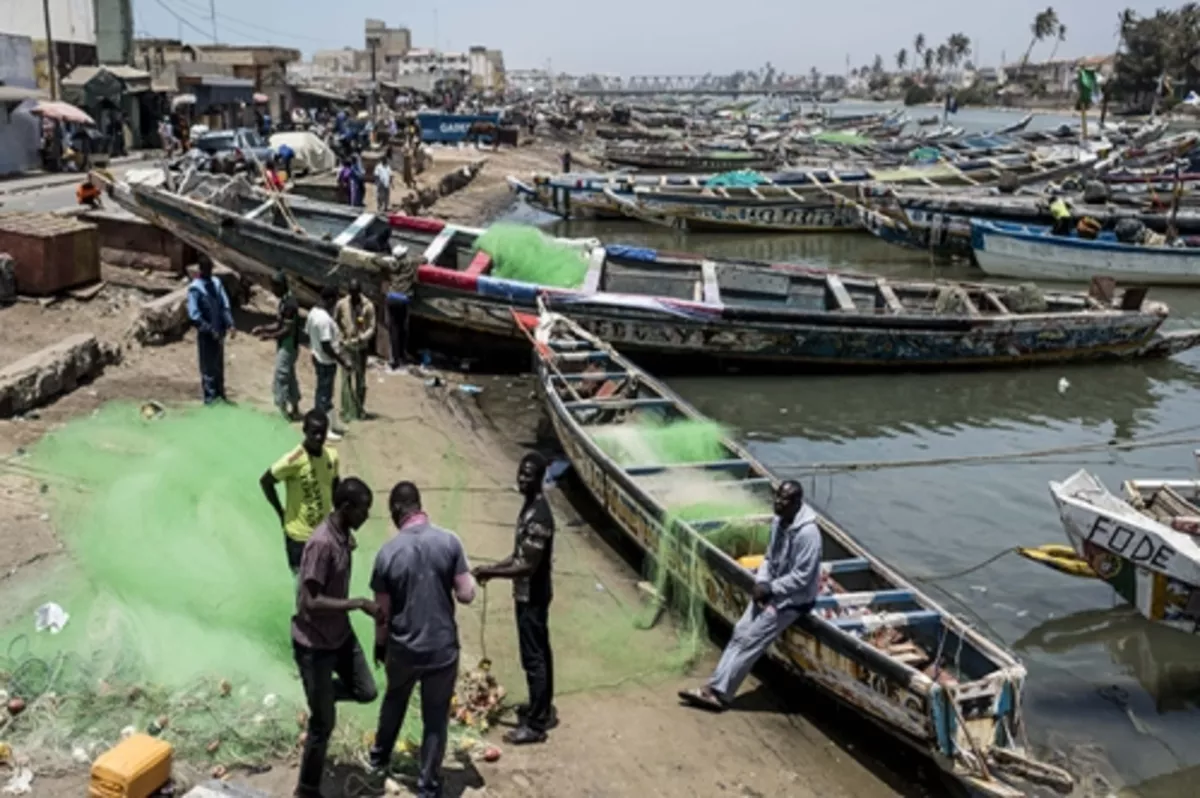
[623, 732]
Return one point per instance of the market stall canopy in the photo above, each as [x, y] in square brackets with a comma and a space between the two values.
[259, 97]
[182, 99]
[63, 112]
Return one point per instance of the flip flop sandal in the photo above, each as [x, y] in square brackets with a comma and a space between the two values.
[698, 699]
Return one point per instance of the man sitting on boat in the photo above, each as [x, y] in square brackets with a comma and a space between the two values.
[785, 588]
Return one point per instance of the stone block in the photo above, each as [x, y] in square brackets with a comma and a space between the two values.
[36, 379]
[51, 253]
[126, 241]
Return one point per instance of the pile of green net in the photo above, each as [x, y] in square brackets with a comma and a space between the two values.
[674, 568]
[524, 253]
[178, 591]
[739, 178]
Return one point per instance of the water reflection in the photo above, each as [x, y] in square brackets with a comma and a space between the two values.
[1165, 662]
[865, 406]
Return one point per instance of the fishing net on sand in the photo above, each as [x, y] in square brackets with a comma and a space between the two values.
[524, 253]
[178, 595]
[673, 568]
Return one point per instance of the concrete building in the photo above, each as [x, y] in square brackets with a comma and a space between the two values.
[345, 61]
[114, 31]
[389, 44]
[265, 67]
[72, 27]
[486, 69]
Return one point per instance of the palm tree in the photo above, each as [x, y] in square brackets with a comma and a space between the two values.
[1059, 39]
[919, 44]
[1043, 27]
[877, 66]
[929, 60]
[943, 56]
[901, 59]
[960, 46]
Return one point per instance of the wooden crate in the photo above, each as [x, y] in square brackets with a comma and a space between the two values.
[51, 253]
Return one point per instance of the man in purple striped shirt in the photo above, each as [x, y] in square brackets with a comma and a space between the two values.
[418, 575]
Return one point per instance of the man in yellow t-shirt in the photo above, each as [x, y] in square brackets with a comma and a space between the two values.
[309, 474]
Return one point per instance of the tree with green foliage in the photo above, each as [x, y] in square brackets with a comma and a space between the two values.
[919, 44]
[877, 66]
[1158, 51]
[1043, 27]
[901, 59]
[929, 55]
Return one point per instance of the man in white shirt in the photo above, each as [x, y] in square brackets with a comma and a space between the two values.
[383, 186]
[323, 340]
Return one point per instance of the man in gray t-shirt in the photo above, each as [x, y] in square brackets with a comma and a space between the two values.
[418, 575]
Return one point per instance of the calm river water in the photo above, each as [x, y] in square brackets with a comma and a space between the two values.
[1111, 691]
[1115, 694]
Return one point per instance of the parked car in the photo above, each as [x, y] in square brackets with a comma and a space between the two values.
[232, 151]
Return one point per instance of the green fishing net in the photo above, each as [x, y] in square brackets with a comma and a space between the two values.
[524, 253]
[674, 567]
[178, 592]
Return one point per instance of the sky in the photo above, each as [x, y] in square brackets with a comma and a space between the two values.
[654, 37]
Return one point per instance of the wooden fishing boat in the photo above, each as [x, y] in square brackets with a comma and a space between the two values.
[1016, 127]
[678, 159]
[874, 640]
[940, 222]
[590, 196]
[1145, 545]
[1033, 252]
[818, 207]
[681, 308]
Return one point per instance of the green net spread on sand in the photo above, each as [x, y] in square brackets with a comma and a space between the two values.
[177, 587]
[524, 253]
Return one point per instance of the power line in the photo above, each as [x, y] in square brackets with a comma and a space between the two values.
[226, 19]
[180, 18]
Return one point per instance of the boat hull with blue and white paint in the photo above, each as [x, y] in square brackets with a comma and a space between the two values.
[1034, 253]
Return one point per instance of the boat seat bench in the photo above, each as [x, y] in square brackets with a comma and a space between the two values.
[890, 619]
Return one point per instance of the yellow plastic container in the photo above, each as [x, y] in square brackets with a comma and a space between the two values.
[751, 561]
[135, 768]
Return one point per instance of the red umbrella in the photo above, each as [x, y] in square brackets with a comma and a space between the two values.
[63, 112]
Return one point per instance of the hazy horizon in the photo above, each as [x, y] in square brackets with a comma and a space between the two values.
[664, 37]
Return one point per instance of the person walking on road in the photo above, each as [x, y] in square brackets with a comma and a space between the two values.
[210, 313]
[355, 318]
[322, 335]
[529, 570]
[418, 576]
[309, 474]
[383, 186]
[331, 662]
[285, 331]
[785, 588]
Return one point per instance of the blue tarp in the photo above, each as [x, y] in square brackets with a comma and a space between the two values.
[452, 127]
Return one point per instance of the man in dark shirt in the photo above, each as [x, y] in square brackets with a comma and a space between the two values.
[529, 568]
[417, 576]
[332, 665]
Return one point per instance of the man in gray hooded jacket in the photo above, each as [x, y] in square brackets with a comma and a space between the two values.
[785, 587]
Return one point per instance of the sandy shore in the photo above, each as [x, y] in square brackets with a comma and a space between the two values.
[623, 732]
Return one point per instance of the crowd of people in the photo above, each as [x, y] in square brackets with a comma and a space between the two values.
[421, 572]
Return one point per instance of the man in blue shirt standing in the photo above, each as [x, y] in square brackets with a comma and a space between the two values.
[209, 310]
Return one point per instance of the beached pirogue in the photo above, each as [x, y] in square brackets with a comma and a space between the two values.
[874, 641]
[681, 306]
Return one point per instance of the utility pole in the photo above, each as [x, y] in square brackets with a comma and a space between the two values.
[374, 83]
[50, 52]
[212, 12]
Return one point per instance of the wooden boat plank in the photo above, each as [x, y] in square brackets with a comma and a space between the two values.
[714, 465]
[712, 288]
[600, 375]
[897, 620]
[890, 301]
[866, 598]
[596, 262]
[617, 404]
[846, 566]
[837, 295]
[439, 244]
[350, 233]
